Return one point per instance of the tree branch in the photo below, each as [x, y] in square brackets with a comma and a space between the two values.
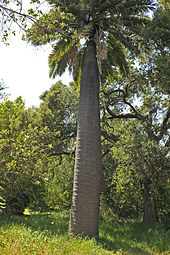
[165, 125]
[8, 10]
[107, 151]
[110, 137]
[167, 144]
[137, 114]
[61, 153]
[125, 115]
[112, 92]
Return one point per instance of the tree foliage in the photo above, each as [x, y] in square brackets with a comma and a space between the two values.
[16, 14]
[58, 112]
[34, 146]
[136, 110]
[22, 154]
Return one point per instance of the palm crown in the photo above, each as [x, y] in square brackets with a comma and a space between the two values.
[114, 25]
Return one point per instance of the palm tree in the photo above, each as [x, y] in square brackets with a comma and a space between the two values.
[91, 38]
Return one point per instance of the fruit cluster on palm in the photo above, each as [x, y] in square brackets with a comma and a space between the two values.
[92, 38]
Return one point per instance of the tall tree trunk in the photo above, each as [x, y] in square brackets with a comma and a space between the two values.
[150, 208]
[88, 167]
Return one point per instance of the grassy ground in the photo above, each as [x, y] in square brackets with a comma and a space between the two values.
[42, 234]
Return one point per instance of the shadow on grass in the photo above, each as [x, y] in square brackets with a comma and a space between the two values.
[122, 245]
[55, 223]
[135, 238]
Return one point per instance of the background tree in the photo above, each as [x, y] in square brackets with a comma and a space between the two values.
[143, 163]
[22, 158]
[34, 146]
[152, 116]
[58, 113]
[144, 96]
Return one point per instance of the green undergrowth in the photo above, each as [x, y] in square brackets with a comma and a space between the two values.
[38, 234]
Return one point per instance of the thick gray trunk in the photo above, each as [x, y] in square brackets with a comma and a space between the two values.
[150, 209]
[88, 167]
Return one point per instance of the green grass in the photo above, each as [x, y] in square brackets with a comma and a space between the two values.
[134, 238]
[41, 234]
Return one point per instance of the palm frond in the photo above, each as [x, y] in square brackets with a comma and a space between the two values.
[60, 67]
[73, 6]
[130, 41]
[60, 54]
[78, 70]
[83, 31]
[109, 72]
[126, 7]
[117, 53]
[116, 58]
